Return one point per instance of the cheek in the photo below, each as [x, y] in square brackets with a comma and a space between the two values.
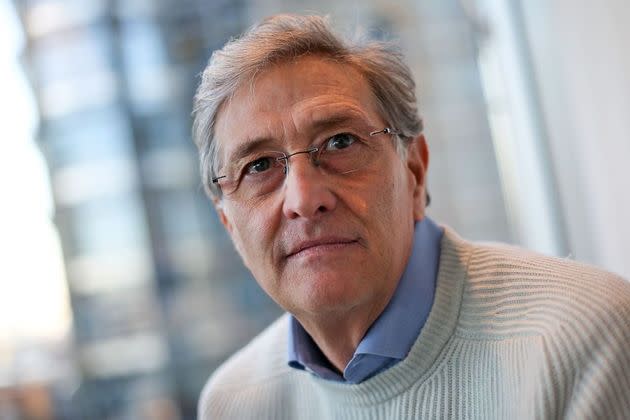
[390, 187]
[253, 237]
[394, 205]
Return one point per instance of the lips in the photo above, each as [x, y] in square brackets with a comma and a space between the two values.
[320, 243]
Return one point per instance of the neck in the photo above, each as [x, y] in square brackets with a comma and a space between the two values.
[339, 335]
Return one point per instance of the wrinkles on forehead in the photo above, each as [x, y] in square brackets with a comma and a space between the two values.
[319, 124]
[275, 108]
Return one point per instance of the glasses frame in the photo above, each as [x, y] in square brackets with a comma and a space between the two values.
[284, 157]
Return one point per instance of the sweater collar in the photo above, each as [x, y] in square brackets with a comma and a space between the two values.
[391, 336]
[424, 354]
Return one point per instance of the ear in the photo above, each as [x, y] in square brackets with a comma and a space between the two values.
[218, 206]
[225, 221]
[418, 163]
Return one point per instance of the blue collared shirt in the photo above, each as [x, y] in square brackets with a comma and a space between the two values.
[391, 336]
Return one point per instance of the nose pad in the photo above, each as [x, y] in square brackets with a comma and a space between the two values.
[306, 193]
[312, 157]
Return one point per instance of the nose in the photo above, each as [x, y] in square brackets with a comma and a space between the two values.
[307, 193]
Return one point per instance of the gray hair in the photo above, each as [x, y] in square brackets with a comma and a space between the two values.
[284, 37]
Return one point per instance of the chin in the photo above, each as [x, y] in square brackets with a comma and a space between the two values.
[327, 294]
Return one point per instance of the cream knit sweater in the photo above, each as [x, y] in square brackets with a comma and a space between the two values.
[511, 335]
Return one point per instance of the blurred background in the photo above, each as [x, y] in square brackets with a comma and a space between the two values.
[119, 290]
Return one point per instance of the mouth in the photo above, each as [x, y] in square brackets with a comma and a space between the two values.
[320, 246]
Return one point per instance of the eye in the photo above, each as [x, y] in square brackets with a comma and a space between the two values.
[259, 165]
[339, 141]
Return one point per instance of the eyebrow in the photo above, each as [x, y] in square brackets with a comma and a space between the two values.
[329, 122]
[350, 116]
[247, 147]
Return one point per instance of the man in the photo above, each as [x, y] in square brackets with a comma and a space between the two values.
[312, 151]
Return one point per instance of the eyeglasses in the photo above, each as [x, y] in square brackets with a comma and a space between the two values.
[260, 173]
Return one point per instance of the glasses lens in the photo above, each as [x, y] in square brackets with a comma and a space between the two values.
[254, 176]
[263, 173]
[346, 153]
[226, 185]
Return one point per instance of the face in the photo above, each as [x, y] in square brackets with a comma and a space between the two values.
[321, 244]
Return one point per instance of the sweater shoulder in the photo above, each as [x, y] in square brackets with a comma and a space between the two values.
[263, 357]
[510, 290]
[261, 362]
[511, 265]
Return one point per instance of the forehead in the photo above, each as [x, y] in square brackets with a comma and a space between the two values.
[289, 98]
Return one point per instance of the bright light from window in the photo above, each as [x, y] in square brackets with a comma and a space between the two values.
[33, 296]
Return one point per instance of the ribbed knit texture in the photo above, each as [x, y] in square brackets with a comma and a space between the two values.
[511, 335]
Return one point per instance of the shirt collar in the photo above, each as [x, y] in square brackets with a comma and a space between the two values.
[391, 336]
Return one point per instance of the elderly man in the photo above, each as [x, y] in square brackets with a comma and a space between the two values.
[312, 151]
